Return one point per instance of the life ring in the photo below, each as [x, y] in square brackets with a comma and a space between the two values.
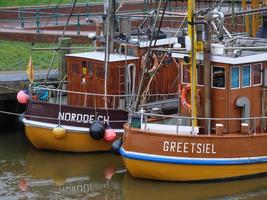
[155, 63]
[184, 95]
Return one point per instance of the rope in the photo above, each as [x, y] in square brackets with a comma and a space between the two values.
[180, 26]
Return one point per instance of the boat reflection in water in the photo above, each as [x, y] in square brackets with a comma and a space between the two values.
[57, 175]
[247, 189]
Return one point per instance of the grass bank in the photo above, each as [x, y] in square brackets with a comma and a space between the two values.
[15, 55]
[41, 2]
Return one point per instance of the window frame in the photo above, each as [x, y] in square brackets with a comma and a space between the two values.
[239, 77]
[211, 78]
[258, 84]
[202, 65]
[182, 74]
[250, 75]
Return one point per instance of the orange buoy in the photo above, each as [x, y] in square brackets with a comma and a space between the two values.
[183, 97]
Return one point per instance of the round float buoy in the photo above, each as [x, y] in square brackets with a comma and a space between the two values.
[22, 97]
[59, 132]
[59, 180]
[97, 130]
[23, 185]
[109, 172]
[116, 145]
[110, 134]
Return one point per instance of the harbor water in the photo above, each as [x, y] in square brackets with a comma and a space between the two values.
[29, 173]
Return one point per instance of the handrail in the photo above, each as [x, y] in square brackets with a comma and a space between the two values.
[94, 94]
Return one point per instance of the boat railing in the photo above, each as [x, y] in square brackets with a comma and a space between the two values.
[68, 97]
[177, 123]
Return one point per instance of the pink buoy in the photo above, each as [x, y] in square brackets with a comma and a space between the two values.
[22, 184]
[110, 134]
[109, 172]
[22, 97]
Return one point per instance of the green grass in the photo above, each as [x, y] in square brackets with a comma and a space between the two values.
[15, 55]
[5, 3]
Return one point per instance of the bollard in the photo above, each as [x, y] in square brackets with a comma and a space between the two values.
[245, 128]
[219, 129]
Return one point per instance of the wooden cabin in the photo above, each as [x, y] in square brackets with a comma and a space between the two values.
[236, 88]
[86, 73]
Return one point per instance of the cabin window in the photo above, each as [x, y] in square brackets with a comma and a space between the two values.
[75, 67]
[218, 77]
[246, 76]
[84, 70]
[257, 70]
[200, 74]
[186, 74]
[90, 69]
[235, 74]
[100, 72]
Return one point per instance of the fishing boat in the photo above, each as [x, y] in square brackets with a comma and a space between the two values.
[220, 129]
[87, 113]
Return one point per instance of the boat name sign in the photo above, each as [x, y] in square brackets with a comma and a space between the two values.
[82, 118]
[186, 147]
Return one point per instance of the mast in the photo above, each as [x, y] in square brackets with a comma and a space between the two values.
[192, 35]
[109, 11]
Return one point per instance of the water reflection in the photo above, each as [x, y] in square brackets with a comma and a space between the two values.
[253, 188]
[72, 175]
[28, 173]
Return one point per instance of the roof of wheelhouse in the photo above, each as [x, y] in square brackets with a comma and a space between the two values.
[100, 56]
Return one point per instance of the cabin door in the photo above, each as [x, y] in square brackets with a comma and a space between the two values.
[219, 98]
[74, 79]
[94, 84]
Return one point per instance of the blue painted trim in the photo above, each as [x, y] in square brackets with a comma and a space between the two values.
[192, 161]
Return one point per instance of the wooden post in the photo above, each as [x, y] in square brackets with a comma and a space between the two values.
[62, 65]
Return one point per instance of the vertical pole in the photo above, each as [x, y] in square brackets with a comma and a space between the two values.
[207, 78]
[192, 35]
[21, 16]
[62, 65]
[254, 24]
[78, 23]
[37, 21]
[112, 23]
[244, 7]
[56, 15]
[107, 8]
[233, 15]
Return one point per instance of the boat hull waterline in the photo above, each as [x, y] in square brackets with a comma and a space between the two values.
[171, 157]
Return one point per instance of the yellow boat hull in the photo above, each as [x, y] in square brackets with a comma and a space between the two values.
[43, 138]
[182, 172]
